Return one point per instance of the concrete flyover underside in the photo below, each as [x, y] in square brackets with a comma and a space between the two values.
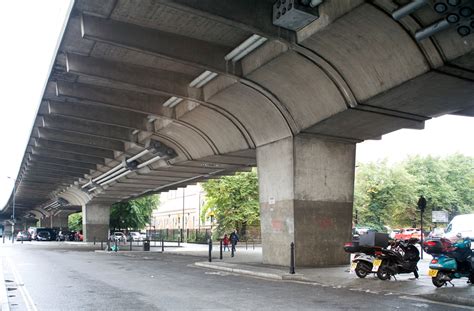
[124, 82]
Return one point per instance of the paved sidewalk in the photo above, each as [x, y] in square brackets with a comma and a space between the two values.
[248, 261]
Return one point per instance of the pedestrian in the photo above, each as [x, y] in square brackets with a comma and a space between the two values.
[234, 238]
[226, 242]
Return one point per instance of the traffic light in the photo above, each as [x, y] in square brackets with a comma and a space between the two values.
[422, 204]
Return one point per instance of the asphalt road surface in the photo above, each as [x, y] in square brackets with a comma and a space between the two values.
[55, 276]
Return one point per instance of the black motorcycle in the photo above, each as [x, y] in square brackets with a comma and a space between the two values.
[402, 257]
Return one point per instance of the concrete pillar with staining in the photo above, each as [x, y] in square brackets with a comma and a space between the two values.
[95, 222]
[60, 220]
[306, 195]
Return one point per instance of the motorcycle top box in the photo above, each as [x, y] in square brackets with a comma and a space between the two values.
[374, 239]
[437, 246]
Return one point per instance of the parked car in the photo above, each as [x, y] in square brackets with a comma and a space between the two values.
[78, 236]
[23, 236]
[118, 236]
[65, 236]
[44, 234]
[406, 234]
[135, 236]
[436, 233]
[393, 233]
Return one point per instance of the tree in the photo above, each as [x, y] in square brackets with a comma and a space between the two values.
[388, 194]
[75, 222]
[133, 214]
[233, 200]
[380, 193]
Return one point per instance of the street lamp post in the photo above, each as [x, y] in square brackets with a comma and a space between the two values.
[182, 226]
[13, 207]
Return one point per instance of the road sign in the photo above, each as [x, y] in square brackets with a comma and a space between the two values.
[440, 216]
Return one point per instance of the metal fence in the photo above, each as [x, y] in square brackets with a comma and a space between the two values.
[174, 235]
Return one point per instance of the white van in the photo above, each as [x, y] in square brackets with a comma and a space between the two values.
[463, 224]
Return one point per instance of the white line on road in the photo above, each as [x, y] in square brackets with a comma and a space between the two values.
[30, 305]
[437, 302]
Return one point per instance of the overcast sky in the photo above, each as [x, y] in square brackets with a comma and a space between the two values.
[29, 33]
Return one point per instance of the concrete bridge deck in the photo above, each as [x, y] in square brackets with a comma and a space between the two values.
[147, 98]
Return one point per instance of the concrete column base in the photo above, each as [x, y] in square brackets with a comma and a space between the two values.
[306, 197]
[95, 222]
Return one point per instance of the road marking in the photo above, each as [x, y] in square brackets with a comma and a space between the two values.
[4, 304]
[437, 302]
[30, 305]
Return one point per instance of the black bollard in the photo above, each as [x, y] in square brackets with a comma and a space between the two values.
[292, 258]
[131, 241]
[21, 240]
[116, 246]
[210, 250]
[94, 240]
[162, 245]
[220, 256]
[4, 238]
[101, 245]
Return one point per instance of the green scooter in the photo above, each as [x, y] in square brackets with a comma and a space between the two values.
[450, 261]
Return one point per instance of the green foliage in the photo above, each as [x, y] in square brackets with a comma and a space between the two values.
[134, 214]
[75, 222]
[233, 201]
[388, 195]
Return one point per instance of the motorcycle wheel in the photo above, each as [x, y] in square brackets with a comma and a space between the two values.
[382, 272]
[437, 280]
[362, 269]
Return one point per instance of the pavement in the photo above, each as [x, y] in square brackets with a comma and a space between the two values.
[248, 261]
[79, 264]
[61, 276]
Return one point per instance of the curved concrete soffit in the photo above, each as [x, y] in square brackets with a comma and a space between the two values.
[37, 213]
[279, 106]
[178, 147]
[430, 50]
[233, 119]
[370, 50]
[75, 196]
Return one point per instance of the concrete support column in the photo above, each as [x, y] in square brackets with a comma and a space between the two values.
[306, 195]
[60, 221]
[45, 222]
[24, 224]
[95, 222]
